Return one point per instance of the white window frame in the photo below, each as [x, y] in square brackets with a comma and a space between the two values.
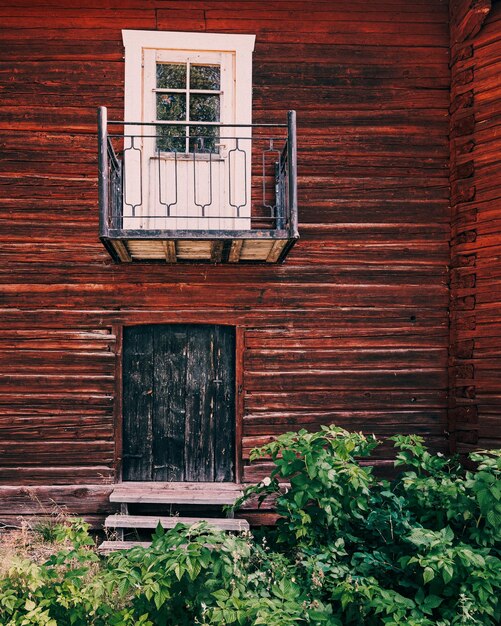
[224, 94]
[137, 43]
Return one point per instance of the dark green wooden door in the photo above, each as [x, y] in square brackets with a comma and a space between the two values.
[178, 403]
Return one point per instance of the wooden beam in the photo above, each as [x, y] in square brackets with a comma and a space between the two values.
[122, 251]
[78, 499]
[235, 250]
[151, 521]
[170, 251]
[216, 251]
[117, 330]
[176, 493]
[112, 546]
[470, 18]
[275, 252]
[239, 400]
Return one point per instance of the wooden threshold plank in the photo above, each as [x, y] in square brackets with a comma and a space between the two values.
[158, 497]
[122, 251]
[151, 521]
[179, 486]
[276, 251]
[235, 250]
[177, 493]
[170, 251]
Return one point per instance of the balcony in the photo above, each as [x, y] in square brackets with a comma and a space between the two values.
[210, 193]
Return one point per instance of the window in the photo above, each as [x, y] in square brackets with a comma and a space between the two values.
[187, 163]
[188, 92]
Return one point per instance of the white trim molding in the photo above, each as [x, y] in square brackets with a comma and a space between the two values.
[136, 41]
[208, 194]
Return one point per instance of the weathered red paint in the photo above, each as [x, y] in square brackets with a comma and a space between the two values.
[352, 329]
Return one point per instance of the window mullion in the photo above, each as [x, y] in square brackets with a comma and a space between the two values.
[208, 92]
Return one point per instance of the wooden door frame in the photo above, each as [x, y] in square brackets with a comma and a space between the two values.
[239, 399]
[118, 331]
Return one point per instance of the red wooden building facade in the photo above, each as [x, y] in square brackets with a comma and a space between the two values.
[382, 317]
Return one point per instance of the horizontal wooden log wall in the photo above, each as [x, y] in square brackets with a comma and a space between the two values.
[475, 416]
[352, 329]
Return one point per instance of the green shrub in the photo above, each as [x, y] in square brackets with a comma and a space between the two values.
[348, 549]
[423, 549]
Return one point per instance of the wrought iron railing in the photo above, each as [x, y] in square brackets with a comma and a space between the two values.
[212, 179]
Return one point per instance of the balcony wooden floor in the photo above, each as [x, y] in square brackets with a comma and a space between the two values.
[227, 250]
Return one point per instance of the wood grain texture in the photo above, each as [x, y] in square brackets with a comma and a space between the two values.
[179, 403]
[138, 402]
[475, 372]
[215, 493]
[352, 329]
[143, 521]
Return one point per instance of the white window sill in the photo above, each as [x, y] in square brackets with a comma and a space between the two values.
[187, 156]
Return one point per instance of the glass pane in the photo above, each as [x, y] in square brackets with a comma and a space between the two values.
[171, 106]
[171, 138]
[171, 76]
[205, 77]
[204, 108]
[203, 139]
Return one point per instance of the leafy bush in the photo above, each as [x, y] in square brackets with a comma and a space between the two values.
[421, 550]
[348, 549]
[188, 576]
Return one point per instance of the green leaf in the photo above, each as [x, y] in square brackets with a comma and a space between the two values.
[159, 601]
[447, 573]
[318, 616]
[122, 587]
[428, 574]
[432, 602]
[221, 594]
[494, 518]
[230, 616]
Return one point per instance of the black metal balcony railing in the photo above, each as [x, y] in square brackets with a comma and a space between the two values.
[236, 185]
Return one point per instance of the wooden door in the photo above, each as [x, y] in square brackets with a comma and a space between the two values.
[178, 403]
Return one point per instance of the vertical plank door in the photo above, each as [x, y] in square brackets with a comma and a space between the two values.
[179, 403]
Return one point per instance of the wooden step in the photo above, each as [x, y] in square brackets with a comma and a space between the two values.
[112, 546]
[151, 521]
[217, 494]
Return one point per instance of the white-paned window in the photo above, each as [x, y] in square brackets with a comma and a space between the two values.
[188, 90]
[189, 167]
